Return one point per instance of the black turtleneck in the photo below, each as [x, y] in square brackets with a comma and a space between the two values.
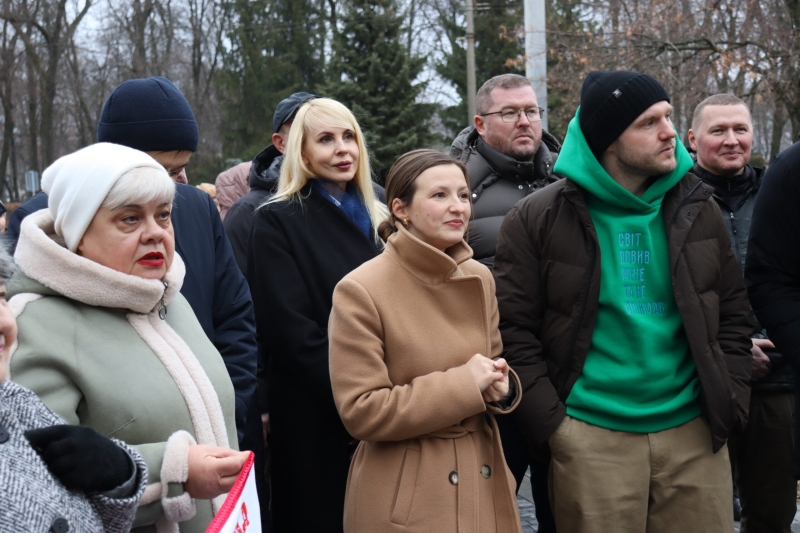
[732, 191]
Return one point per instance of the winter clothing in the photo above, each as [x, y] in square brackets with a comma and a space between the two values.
[216, 290]
[299, 251]
[148, 115]
[402, 328]
[264, 173]
[548, 272]
[31, 499]
[736, 198]
[773, 261]
[31, 205]
[497, 182]
[231, 185]
[160, 386]
[348, 200]
[287, 108]
[611, 101]
[81, 458]
[762, 455]
[622, 386]
[78, 183]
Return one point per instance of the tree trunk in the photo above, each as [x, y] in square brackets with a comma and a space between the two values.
[778, 122]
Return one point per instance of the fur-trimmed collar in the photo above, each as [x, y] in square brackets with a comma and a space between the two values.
[42, 256]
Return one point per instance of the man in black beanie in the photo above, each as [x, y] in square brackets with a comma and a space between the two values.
[153, 116]
[624, 314]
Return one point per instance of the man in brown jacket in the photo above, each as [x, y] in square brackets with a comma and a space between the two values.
[623, 311]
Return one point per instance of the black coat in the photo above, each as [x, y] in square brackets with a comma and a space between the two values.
[298, 252]
[772, 267]
[214, 287]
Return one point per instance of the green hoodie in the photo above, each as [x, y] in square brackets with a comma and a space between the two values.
[639, 375]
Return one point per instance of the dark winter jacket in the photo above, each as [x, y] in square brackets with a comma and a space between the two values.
[299, 251]
[548, 284]
[31, 499]
[773, 261]
[736, 198]
[264, 174]
[498, 182]
[216, 290]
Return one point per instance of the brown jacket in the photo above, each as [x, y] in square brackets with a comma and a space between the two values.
[548, 283]
[402, 329]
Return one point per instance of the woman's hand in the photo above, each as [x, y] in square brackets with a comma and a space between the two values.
[499, 388]
[485, 372]
[212, 470]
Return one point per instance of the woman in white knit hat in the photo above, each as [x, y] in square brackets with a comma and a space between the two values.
[106, 339]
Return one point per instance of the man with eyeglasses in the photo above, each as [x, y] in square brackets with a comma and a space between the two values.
[508, 157]
[507, 154]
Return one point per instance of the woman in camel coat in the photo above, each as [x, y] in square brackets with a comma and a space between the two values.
[413, 345]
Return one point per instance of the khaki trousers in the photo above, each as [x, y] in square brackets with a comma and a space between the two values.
[616, 482]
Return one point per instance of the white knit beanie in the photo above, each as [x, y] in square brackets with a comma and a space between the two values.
[78, 183]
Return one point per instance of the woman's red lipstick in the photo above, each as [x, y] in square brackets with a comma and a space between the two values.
[152, 259]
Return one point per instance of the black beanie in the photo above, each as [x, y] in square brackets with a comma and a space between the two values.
[148, 115]
[611, 101]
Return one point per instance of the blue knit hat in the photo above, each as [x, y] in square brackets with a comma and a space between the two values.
[148, 115]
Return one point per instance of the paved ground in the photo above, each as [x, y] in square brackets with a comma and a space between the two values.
[527, 511]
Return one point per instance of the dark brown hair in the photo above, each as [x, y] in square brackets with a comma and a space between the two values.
[401, 182]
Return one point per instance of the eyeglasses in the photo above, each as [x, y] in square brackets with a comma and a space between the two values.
[533, 114]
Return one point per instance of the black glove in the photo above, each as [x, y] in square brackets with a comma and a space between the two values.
[81, 458]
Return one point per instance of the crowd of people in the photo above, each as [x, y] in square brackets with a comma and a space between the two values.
[398, 358]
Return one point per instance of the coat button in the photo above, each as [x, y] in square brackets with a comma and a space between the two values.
[4, 436]
[486, 471]
[59, 525]
[520, 186]
[453, 477]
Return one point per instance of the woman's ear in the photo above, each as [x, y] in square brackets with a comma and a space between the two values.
[399, 210]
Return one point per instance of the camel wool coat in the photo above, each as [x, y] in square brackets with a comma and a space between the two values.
[402, 328]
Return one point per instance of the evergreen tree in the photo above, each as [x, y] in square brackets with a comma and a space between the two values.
[499, 49]
[275, 51]
[373, 73]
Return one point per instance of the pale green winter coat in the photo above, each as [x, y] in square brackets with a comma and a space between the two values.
[92, 346]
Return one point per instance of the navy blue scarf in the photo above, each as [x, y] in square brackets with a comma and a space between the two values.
[348, 200]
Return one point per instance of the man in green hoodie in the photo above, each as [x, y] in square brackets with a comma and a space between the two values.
[623, 311]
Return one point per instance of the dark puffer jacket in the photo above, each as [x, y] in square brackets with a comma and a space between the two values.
[498, 182]
[548, 284]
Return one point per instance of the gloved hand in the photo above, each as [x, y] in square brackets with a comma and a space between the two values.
[81, 458]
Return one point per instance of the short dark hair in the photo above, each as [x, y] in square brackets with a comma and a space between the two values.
[484, 102]
[717, 99]
[401, 182]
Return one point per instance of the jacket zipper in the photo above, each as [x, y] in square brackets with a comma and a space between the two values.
[162, 309]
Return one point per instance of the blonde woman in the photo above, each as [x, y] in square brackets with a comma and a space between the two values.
[320, 224]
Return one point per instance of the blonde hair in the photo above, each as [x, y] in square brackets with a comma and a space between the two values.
[294, 171]
[140, 185]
